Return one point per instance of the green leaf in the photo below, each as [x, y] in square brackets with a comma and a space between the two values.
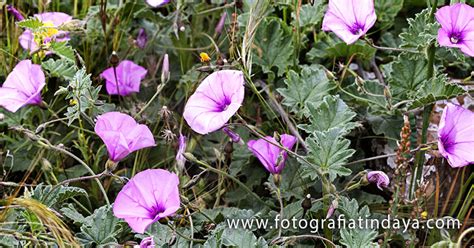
[390, 125]
[310, 86]
[329, 151]
[386, 11]
[406, 76]
[329, 46]
[32, 23]
[63, 50]
[310, 14]
[421, 31]
[51, 195]
[273, 46]
[85, 95]
[71, 212]
[336, 115]
[242, 238]
[61, 68]
[436, 89]
[101, 228]
[355, 238]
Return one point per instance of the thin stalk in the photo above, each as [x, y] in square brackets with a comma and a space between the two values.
[420, 156]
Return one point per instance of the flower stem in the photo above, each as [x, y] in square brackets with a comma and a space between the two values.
[420, 156]
[158, 91]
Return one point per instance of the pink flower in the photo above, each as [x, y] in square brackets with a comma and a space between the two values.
[22, 87]
[215, 101]
[456, 135]
[457, 27]
[26, 39]
[122, 135]
[149, 196]
[272, 156]
[349, 19]
[147, 242]
[165, 69]
[157, 3]
[379, 178]
[129, 76]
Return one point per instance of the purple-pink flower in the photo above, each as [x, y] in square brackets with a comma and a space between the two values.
[157, 3]
[26, 39]
[122, 135]
[271, 156]
[18, 16]
[149, 196]
[379, 178]
[22, 87]
[457, 27]
[142, 38]
[180, 159]
[128, 78]
[147, 242]
[349, 19]
[456, 135]
[215, 101]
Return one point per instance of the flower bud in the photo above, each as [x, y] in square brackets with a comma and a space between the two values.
[165, 69]
[142, 38]
[114, 59]
[2, 117]
[235, 137]
[221, 23]
[332, 208]
[306, 204]
[18, 16]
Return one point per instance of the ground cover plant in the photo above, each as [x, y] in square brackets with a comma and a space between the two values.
[176, 123]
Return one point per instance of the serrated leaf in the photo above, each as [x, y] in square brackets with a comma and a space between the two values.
[310, 86]
[310, 14]
[336, 114]
[100, 228]
[386, 11]
[436, 89]
[61, 68]
[70, 212]
[32, 23]
[355, 238]
[50, 195]
[84, 94]
[421, 31]
[329, 151]
[242, 238]
[63, 50]
[406, 76]
[329, 46]
[273, 46]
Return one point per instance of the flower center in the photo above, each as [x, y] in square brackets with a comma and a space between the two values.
[156, 210]
[455, 38]
[224, 105]
[356, 29]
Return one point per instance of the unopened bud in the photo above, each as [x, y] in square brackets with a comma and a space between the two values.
[165, 69]
[307, 204]
[235, 137]
[114, 59]
[2, 117]
[40, 129]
